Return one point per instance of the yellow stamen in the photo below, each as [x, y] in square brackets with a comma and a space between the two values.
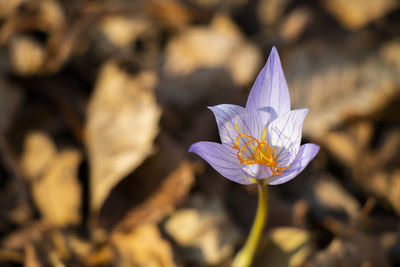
[262, 152]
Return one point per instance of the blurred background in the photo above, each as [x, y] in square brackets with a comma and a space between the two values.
[100, 101]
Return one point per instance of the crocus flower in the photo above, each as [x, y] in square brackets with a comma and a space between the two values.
[262, 140]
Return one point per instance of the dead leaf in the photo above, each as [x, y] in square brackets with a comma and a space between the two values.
[7, 8]
[285, 247]
[10, 99]
[45, 15]
[143, 247]
[295, 24]
[122, 31]
[122, 123]
[38, 152]
[169, 13]
[385, 185]
[215, 4]
[357, 249]
[338, 86]
[7, 255]
[161, 203]
[199, 59]
[58, 193]
[31, 259]
[332, 196]
[220, 45]
[354, 14]
[204, 231]
[27, 55]
[270, 12]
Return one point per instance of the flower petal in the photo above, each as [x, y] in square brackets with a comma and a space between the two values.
[224, 115]
[270, 94]
[227, 116]
[284, 134]
[222, 159]
[258, 171]
[306, 153]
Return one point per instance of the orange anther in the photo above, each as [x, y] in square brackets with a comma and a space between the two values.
[261, 152]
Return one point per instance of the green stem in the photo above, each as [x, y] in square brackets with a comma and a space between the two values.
[245, 256]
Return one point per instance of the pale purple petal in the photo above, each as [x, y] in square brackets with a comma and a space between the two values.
[284, 135]
[224, 115]
[258, 171]
[227, 116]
[306, 153]
[270, 94]
[222, 159]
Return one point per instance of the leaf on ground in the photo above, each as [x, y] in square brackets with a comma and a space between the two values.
[122, 123]
[350, 143]
[356, 249]
[27, 55]
[270, 12]
[374, 169]
[57, 193]
[385, 185]
[285, 246]
[330, 195]
[53, 177]
[31, 258]
[161, 203]
[10, 98]
[338, 86]
[295, 24]
[142, 247]
[122, 31]
[198, 58]
[354, 14]
[39, 150]
[170, 13]
[7, 8]
[203, 231]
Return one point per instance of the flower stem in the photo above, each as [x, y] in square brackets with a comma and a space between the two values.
[245, 256]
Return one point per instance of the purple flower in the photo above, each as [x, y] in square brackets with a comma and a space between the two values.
[262, 140]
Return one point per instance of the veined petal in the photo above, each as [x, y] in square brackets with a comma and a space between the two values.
[258, 171]
[284, 134]
[224, 115]
[222, 159]
[306, 153]
[227, 116]
[270, 94]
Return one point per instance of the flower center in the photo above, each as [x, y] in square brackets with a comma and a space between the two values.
[260, 152]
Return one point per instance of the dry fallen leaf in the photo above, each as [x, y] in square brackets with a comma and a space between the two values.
[354, 14]
[27, 55]
[385, 185]
[330, 195]
[357, 249]
[7, 8]
[10, 98]
[122, 123]
[199, 58]
[270, 12]
[122, 31]
[31, 258]
[169, 13]
[174, 188]
[38, 152]
[142, 247]
[295, 24]
[53, 177]
[285, 247]
[58, 193]
[338, 86]
[204, 231]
